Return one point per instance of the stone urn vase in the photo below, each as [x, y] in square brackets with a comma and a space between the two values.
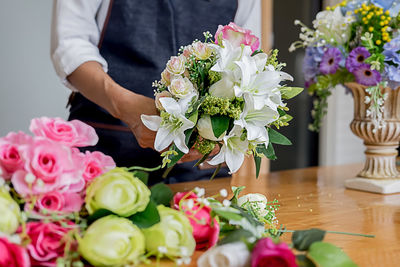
[379, 174]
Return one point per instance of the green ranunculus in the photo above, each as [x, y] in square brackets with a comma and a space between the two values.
[117, 191]
[172, 236]
[10, 213]
[112, 241]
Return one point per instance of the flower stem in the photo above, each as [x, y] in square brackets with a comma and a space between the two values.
[137, 168]
[333, 232]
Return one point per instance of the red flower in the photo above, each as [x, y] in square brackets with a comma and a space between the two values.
[12, 255]
[268, 254]
[205, 228]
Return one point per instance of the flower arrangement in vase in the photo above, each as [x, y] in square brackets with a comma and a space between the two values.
[357, 44]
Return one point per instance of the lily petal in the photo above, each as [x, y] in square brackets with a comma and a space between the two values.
[151, 122]
[163, 139]
[234, 159]
[170, 105]
[219, 158]
[180, 143]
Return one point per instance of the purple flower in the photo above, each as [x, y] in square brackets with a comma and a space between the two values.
[356, 58]
[365, 76]
[330, 61]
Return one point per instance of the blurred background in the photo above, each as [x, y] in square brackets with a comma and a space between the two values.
[30, 88]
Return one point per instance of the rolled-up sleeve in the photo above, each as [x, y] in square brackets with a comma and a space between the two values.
[75, 36]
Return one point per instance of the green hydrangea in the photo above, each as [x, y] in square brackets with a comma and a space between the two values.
[205, 146]
[213, 105]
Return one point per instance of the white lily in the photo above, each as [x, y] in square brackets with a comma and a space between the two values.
[227, 56]
[170, 128]
[262, 86]
[232, 151]
[254, 120]
[223, 88]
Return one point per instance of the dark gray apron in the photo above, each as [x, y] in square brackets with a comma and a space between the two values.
[138, 39]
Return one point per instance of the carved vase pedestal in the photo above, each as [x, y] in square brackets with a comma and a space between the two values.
[380, 174]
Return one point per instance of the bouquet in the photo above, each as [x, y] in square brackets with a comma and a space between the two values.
[65, 208]
[357, 41]
[221, 94]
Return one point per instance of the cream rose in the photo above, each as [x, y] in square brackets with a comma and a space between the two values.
[117, 191]
[112, 241]
[10, 213]
[176, 65]
[201, 50]
[181, 87]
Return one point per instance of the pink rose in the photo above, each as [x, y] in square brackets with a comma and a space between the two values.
[205, 228]
[50, 167]
[57, 202]
[237, 36]
[95, 164]
[47, 242]
[11, 159]
[71, 133]
[13, 255]
[268, 254]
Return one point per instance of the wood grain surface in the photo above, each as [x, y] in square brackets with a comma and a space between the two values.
[316, 198]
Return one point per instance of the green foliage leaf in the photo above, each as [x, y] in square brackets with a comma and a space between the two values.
[100, 213]
[219, 125]
[236, 191]
[175, 158]
[194, 116]
[146, 218]
[142, 175]
[227, 213]
[248, 222]
[269, 151]
[277, 138]
[257, 161]
[235, 236]
[303, 261]
[327, 255]
[303, 239]
[161, 194]
[290, 92]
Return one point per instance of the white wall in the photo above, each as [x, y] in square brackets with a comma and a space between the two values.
[338, 145]
[29, 86]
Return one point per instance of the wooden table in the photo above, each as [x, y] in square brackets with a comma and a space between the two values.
[316, 197]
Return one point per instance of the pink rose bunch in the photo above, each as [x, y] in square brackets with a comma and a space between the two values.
[13, 255]
[268, 254]
[237, 36]
[205, 228]
[48, 241]
[48, 167]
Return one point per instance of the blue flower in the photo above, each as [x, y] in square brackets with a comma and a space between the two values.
[391, 50]
[395, 9]
[311, 62]
[385, 4]
[352, 5]
[392, 73]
